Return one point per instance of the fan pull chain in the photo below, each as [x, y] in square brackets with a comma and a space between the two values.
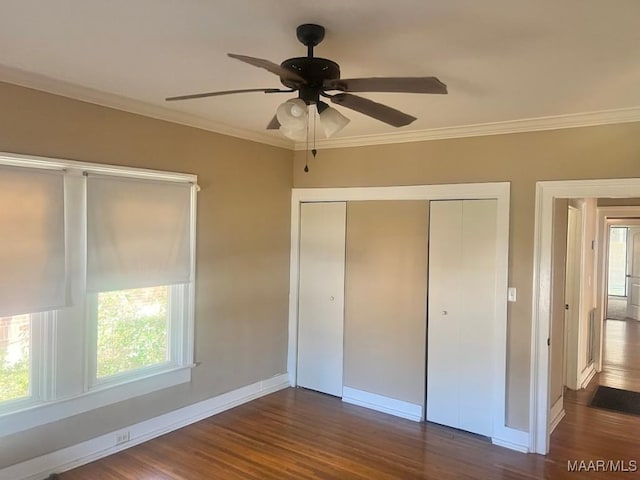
[314, 151]
[306, 152]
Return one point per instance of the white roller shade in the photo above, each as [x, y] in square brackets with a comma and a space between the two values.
[138, 233]
[32, 243]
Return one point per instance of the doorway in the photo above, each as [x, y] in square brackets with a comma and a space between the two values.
[617, 271]
[621, 326]
[546, 192]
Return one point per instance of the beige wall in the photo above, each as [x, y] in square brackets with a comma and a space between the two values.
[559, 263]
[385, 298]
[610, 151]
[243, 236]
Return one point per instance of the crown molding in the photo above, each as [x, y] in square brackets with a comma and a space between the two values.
[85, 94]
[557, 122]
[70, 90]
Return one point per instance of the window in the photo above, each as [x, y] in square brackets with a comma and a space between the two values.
[132, 330]
[617, 279]
[97, 291]
[15, 357]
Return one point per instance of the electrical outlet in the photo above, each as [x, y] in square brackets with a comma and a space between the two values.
[123, 437]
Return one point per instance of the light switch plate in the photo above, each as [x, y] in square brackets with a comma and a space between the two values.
[511, 294]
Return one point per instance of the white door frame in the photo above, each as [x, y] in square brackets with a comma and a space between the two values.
[541, 308]
[500, 191]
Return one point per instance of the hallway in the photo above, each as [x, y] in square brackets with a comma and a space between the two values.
[621, 355]
[616, 307]
[588, 433]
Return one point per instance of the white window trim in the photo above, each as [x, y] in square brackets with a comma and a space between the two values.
[46, 404]
[39, 325]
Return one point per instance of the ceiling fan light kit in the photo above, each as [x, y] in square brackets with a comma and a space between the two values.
[312, 77]
[295, 134]
[292, 112]
[332, 121]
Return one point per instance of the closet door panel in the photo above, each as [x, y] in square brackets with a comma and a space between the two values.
[321, 297]
[443, 330]
[462, 279]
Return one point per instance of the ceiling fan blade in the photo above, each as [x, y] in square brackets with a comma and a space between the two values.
[381, 112]
[274, 124]
[270, 66]
[388, 84]
[226, 92]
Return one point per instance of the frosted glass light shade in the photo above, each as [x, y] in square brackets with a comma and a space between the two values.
[332, 121]
[293, 114]
[294, 133]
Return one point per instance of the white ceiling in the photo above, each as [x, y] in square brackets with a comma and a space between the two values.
[503, 60]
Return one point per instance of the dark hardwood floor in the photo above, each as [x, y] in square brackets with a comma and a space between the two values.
[621, 355]
[301, 434]
[593, 433]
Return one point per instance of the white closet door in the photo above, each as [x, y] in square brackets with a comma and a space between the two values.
[321, 297]
[462, 279]
[443, 330]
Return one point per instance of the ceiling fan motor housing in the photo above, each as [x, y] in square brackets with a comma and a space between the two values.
[315, 71]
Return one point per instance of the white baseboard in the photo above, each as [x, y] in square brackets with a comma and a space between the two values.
[556, 414]
[82, 453]
[518, 447]
[511, 438]
[507, 437]
[399, 408]
[586, 375]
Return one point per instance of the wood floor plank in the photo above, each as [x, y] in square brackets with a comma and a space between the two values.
[300, 434]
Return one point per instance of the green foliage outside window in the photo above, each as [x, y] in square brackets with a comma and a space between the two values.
[132, 333]
[14, 379]
[132, 329]
[14, 358]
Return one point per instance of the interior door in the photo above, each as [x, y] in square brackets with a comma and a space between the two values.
[633, 254]
[321, 297]
[461, 313]
[443, 350]
[572, 298]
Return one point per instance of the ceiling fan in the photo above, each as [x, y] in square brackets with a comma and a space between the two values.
[312, 77]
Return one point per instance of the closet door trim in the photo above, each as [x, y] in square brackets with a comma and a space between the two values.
[502, 434]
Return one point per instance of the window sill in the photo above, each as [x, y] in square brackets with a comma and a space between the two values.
[47, 412]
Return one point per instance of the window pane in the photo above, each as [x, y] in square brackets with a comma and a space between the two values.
[132, 329]
[15, 358]
[618, 261]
